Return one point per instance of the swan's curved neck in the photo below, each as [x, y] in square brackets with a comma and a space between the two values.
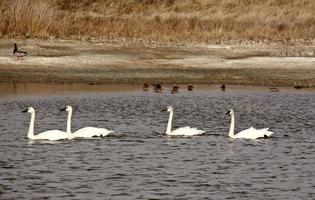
[231, 132]
[30, 133]
[69, 122]
[169, 124]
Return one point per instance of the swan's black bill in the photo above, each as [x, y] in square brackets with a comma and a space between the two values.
[63, 109]
[228, 112]
[164, 110]
[24, 111]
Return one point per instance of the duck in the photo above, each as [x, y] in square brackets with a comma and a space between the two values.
[175, 89]
[184, 131]
[46, 135]
[223, 87]
[145, 87]
[250, 133]
[18, 52]
[157, 88]
[86, 132]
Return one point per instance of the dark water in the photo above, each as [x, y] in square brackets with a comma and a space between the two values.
[145, 164]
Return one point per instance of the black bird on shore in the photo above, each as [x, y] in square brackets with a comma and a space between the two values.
[18, 52]
[174, 89]
[223, 87]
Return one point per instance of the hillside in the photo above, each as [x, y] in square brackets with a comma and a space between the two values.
[210, 21]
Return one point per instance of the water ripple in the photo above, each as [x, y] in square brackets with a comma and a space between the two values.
[142, 163]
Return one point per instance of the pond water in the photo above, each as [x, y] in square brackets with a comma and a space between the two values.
[143, 163]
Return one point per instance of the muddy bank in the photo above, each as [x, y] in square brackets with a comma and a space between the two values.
[8, 90]
[96, 62]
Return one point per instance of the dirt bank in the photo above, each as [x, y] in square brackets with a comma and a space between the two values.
[64, 61]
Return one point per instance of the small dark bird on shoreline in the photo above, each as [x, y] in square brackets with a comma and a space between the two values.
[145, 87]
[157, 88]
[19, 53]
[175, 89]
[223, 88]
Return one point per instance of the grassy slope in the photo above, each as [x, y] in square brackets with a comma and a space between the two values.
[211, 21]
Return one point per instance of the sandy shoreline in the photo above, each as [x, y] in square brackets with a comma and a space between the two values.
[8, 90]
[96, 62]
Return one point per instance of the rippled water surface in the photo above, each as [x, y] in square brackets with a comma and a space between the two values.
[142, 163]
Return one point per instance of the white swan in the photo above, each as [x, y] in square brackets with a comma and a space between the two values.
[87, 132]
[47, 135]
[250, 133]
[184, 131]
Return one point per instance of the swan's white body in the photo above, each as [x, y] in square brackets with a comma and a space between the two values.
[184, 131]
[87, 132]
[250, 133]
[47, 135]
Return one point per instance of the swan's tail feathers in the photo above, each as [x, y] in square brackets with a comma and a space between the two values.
[196, 131]
[267, 133]
[106, 133]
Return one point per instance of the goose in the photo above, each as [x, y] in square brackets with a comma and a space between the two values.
[18, 52]
[250, 133]
[47, 135]
[87, 132]
[184, 131]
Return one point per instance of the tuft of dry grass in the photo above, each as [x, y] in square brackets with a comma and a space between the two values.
[28, 18]
[160, 20]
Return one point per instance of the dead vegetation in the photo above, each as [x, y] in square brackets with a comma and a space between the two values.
[211, 21]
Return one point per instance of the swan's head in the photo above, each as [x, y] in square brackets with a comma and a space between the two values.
[230, 111]
[29, 110]
[67, 108]
[170, 109]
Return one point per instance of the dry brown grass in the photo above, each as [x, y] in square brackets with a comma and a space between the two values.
[28, 18]
[160, 20]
